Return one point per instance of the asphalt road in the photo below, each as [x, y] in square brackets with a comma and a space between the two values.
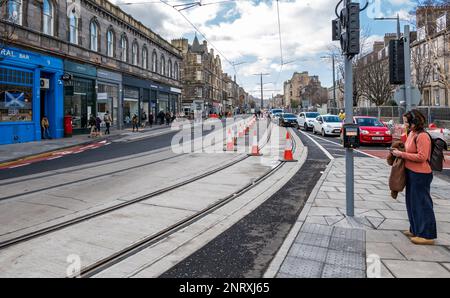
[103, 153]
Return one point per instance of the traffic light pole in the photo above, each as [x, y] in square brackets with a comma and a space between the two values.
[408, 100]
[349, 162]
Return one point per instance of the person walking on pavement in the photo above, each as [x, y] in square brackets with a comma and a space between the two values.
[341, 115]
[419, 176]
[168, 117]
[108, 120]
[150, 120]
[92, 125]
[161, 117]
[98, 122]
[135, 121]
[45, 128]
[143, 119]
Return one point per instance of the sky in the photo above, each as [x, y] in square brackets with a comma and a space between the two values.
[246, 33]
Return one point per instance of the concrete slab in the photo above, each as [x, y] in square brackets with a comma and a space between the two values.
[423, 253]
[411, 269]
[384, 250]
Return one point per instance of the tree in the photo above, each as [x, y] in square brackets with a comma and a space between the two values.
[375, 85]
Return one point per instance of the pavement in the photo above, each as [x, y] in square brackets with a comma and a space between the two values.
[326, 243]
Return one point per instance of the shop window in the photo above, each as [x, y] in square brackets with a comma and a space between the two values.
[16, 95]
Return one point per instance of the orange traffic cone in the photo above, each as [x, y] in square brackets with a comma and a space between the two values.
[255, 148]
[241, 131]
[230, 142]
[288, 156]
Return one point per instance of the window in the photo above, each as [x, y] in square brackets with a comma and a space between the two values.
[145, 58]
[94, 36]
[170, 68]
[15, 11]
[73, 28]
[16, 92]
[47, 17]
[176, 71]
[198, 76]
[163, 66]
[199, 59]
[154, 62]
[124, 46]
[134, 53]
[421, 33]
[110, 43]
[441, 23]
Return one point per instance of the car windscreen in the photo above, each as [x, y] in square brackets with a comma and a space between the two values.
[312, 115]
[289, 116]
[369, 122]
[331, 119]
[277, 111]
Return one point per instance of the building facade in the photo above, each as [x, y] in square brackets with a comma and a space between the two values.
[430, 55]
[105, 61]
[303, 90]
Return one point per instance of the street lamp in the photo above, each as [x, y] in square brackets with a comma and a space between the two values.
[390, 19]
[334, 78]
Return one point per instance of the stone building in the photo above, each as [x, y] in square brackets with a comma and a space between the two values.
[90, 57]
[203, 80]
[430, 59]
[303, 90]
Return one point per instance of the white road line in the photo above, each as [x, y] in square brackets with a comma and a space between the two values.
[21, 165]
[56, 157]
[367, 154]
[318, 145]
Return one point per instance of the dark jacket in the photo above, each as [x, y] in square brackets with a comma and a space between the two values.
[397, 178]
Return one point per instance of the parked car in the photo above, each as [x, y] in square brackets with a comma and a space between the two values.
[306, 120]
[373, 131]
[276, 116]
[287, 119]
[327, 125]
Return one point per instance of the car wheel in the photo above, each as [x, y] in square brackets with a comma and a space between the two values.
[323, 133]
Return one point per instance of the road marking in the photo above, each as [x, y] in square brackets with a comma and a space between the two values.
[21, 165]
[320, 146]
[359, 151]
[56, 157]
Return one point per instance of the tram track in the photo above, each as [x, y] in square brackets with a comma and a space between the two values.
[77, 220]
[105, 263]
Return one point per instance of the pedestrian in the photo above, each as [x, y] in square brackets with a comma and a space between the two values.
[98, 123]
[135, 121]
[108, 121]
[150, 119]
[419, 176]
[92, 125]
[161, 117]
[45, 125]
[341, 115]
[143, 119]
[168, 117]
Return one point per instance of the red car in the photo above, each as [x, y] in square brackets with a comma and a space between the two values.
[373, 131]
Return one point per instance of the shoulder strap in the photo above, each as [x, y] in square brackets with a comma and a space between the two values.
[431, 143]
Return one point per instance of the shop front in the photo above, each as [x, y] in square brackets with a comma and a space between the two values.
[136, 99]
[109, 88]
[30, 88]
[79, 95]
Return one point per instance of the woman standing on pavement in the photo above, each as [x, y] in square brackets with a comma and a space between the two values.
[418, 180]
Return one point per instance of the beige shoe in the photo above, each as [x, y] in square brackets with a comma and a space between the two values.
[422, 241]
[408, 234]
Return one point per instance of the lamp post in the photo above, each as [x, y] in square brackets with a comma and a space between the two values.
[333, 57]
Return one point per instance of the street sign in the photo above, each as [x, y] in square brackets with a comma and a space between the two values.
[399, 96]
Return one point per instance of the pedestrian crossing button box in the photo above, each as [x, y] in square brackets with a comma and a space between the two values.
[351, 135]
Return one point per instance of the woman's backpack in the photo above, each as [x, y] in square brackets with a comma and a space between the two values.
[436, 160]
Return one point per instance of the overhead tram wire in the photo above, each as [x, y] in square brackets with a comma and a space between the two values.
[281, 46]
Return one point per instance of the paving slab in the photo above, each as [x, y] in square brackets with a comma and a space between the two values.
[412, 269]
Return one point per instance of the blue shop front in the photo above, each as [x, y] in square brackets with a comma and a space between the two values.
[30, 88]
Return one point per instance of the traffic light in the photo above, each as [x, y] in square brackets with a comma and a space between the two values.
[349, 29]
[396, 62]
[336, 29]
